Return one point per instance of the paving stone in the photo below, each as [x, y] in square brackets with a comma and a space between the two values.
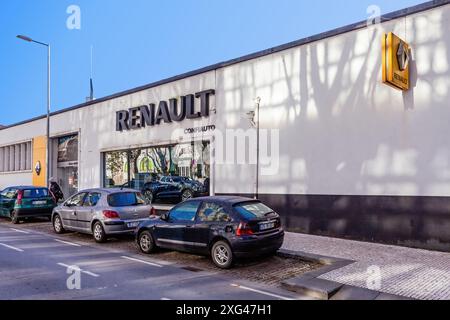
[355, 293]
[413, 273]
[316, 288]
[386, 296]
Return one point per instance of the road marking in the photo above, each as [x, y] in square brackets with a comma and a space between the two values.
[17, 230]
[142, 261]
[68, 243]
[261, 292]
[81, 270]
[11, 247]
[90, 274]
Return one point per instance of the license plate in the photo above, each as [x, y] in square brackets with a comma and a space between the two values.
[39, 203]
[132, 224]
[267, 226]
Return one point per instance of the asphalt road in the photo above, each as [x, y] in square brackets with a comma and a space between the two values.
[36, 266]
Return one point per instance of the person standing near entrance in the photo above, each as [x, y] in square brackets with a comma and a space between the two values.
[55, 190]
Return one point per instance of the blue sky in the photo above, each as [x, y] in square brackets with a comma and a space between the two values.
[140, 41]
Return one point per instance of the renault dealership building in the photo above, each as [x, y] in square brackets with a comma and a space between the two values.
[353, 128]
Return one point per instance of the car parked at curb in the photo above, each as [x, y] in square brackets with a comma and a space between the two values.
[225, 228]
[102, 213]
[174, 187]
[23, 202]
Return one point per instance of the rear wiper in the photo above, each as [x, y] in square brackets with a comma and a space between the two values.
[269, 213]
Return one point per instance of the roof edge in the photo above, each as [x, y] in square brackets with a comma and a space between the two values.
[321, 36]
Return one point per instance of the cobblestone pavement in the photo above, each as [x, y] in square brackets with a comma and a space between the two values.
[413, 273]
[270, 270]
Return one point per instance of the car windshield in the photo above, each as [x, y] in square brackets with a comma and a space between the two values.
[35, 193]
[251, 210]
[126, 199]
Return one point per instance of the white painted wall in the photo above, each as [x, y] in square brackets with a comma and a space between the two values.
[16, 179]
[341, 130]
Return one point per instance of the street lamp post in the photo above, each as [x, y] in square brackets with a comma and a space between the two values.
[258, 102]
[25, 38]
[254, 121]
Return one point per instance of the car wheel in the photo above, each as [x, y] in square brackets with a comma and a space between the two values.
[186, 195]
[222, 255]
[146, 242]
[14, 217]
[149, 195]
[99, 232]
[57, 224]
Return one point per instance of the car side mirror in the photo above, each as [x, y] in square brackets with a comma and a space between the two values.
[165, 217]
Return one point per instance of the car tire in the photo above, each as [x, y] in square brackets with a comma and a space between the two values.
[99, 232]
[57, 225]
[14, 218]
[222, 255]
[146, 242]
[186, 195]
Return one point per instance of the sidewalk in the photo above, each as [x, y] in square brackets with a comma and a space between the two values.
[412, 273]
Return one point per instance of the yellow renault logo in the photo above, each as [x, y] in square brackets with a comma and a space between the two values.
[402, 56]
[396, 58]
[38, 168]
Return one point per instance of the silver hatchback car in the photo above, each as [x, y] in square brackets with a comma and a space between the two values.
[102, 213]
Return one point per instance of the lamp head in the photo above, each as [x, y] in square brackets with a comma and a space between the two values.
[25, 38]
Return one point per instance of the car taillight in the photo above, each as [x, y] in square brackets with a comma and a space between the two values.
[244, 230]
[152, 212]
[19, 197]
[110, 214]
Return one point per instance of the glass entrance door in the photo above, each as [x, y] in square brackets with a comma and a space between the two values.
[68, 180]
[67, 164]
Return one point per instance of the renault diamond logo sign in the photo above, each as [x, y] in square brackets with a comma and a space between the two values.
[38, 168]
[396, 59]
[402, 56]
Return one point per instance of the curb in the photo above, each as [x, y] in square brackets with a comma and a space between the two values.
[311, 285]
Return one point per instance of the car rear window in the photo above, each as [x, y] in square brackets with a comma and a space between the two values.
[251, 210]
[126, 199]
[35, 193]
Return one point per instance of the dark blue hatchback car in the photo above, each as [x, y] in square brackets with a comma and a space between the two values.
[225, 228]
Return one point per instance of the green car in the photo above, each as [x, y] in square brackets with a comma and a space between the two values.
[23, 202]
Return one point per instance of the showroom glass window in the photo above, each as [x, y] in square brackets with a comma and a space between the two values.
[116, 169]
[169, 169]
